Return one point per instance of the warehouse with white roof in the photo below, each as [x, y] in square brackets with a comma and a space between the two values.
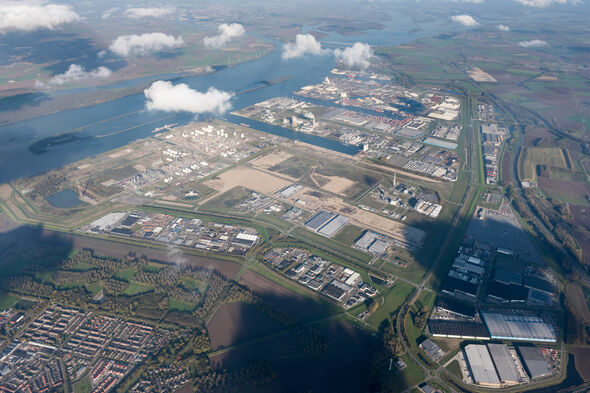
[504, 363]
[481, 365]
[518, 327]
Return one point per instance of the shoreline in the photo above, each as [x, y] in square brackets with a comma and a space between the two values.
[99, 96]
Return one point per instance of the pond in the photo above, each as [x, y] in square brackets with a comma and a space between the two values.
[65, 199]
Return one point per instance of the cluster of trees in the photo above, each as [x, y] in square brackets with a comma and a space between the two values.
[391, 337]
[234, 381]
[552, 219]
[311, 340]
[419, 314]
[27, 286]
[183, 358]
[49, 184]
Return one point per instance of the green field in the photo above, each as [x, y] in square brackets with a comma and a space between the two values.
[45, 276]
[426, 301]
[92, 288]
[227, 200]
[409, 376]
[81, 267]
[25, 304]
[152, 268]
[194, 285]
[7, 301]
[70, 285]
[136, 289]
[533, 156]
[83, 386]
[393, 300]
[175, 304]
[125, 274]
[349, 234]
[455, 369]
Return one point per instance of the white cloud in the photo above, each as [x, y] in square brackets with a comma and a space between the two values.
[110, 12]
[149, 12]
[145, 44]
[304, 44]
[503, 28]
[34, 15]
[468, 1]
[465, 20]
[546, 3]
[226, 33]
[165, 96]
[75, 73]
[533, 44]
[357, 56]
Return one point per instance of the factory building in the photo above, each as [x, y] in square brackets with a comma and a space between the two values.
[455, 307]
[516, 327]
[317, 221]
[504, 364]
[326, 223]
[535, 362]
[458, 329]
[481, 365]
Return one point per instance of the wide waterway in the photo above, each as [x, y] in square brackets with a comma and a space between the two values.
[115, 123]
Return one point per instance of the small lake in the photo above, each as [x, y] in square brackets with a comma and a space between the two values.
[65, 199]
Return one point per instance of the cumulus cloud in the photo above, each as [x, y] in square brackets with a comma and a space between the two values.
[304, 44]
[227, 32]
[110, 12]
[357, 56]
[533, 44]
[34, 15]
[145, 44]
[165, 96]
[149, 12]
[75, 73]
[546, 3]
[503, 28]
[465, 20]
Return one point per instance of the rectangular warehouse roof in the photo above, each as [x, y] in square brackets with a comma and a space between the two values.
[535, 362]
[334, 225]
[518, 327]
[319, 219]
[457, 329]
[456, 307]
[504, 363]
[481, 365]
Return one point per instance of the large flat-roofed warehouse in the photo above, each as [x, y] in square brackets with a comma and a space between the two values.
[333, 225]
[518, 327]
[535, 362]
[504, 364]
[319, 220]
[457, 329]
[481, 365]
[463, 289]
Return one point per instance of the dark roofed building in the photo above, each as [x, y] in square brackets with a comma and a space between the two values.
[507, 277]
[519, 294]
[458, 329]
[333, 291]
[538, 284]
[456, 307]
[453, 285]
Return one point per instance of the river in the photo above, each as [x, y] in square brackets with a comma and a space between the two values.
[112, 124]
